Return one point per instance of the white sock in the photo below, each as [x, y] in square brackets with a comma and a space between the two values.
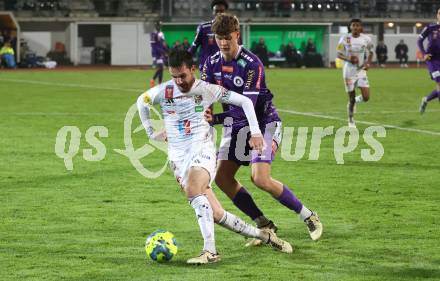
[359, 99]
[305, 213]
[205, 219]
[239, 226]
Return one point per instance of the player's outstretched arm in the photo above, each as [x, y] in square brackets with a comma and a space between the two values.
[143, 105]
[257, 141]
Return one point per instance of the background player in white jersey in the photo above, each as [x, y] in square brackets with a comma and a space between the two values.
[191, 150]
[356, 50]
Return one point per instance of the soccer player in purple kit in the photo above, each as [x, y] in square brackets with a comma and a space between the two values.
[204, 36]
[432, 58]
[238, 69]
[158, 52]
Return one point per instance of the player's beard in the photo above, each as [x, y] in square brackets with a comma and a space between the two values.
[186, 87]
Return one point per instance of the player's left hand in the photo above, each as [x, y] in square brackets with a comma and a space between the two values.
[209, 116]
[257, 143]
[366, 66]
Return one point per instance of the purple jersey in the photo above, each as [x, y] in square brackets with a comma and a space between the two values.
[432, 32]
[158, 45]
[206, 39]
[245, 75]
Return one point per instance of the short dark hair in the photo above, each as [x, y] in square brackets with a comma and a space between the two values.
[225, 24]
[219, 2]
[179, 57]
[355, 20]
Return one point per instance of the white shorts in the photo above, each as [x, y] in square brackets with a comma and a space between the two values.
[354, 78]
[204, 156]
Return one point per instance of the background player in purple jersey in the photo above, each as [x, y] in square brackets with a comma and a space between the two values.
[159, 51]
[239, 70]
[204, 36]
[432, 57]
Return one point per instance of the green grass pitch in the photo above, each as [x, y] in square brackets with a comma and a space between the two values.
[381, 219]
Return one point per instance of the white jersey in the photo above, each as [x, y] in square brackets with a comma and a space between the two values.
[359, 46]
[183, 114]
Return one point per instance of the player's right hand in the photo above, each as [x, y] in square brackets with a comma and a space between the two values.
[257, 143]
[427, 57]
[208, 116]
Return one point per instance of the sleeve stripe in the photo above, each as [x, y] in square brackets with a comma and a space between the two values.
[251, 93]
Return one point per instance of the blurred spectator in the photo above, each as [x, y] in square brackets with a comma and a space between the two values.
[261, 51]
[177, 45]
[402, 53]
[7, 55]
[293, 58]
[311, 56]
[381, 53]
[186, 45]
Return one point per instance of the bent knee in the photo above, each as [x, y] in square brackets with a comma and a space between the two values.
[262, 182]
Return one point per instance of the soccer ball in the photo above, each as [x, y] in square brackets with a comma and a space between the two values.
[161, 245]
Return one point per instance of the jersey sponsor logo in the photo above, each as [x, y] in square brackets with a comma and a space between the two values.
[147, 99]
[171, 112]
[238, 81]
[198, 108]
[228, 76]
[228, 69]
[187, 126]
[436, 74]
[204, 75]
[184, 127]
[250, 78]
[241, 63]
[169, 92]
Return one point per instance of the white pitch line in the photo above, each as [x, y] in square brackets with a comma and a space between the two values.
[322, 116]
[72, 85]
[360, 122]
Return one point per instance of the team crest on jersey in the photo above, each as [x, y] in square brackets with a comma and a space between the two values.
[198, 99]
[169, 92]
[238, 81]
[228, 69]
[241, 63]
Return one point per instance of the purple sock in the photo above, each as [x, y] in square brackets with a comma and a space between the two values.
[288, 199]
[243, 200]
[432, 96]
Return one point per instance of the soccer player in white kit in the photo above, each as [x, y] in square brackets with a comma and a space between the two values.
[191, 149]
[356, 51]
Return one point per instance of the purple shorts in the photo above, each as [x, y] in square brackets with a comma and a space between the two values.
[434, 69]
[235, 144]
